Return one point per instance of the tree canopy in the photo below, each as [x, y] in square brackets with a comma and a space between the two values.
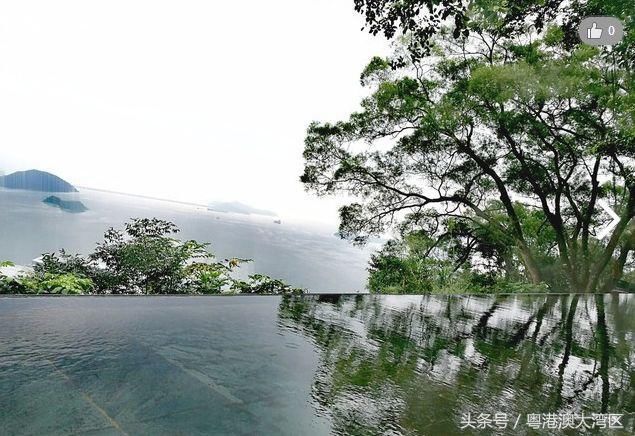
[505, 138]
[423, 20]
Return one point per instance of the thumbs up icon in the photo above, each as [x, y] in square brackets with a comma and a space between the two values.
[594, 32]
[601, 30]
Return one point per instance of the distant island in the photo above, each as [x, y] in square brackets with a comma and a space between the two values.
[35, 180]
[71, 206]
[237, 207]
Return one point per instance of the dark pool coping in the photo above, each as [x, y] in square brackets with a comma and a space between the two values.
[345, 294]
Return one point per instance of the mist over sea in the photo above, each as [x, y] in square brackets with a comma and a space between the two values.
[300, 255]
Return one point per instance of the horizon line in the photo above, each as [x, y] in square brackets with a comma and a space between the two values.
[148, 197]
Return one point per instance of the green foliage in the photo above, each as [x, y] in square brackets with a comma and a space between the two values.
[400, 269]
[63, 263]
[554, 36]
[212, 278]
[264, 285]
[512, 287]
[64, 284]
[48, 283]
[422, 24]
[10, 285]
[378, 69]
[6, 263]
[417, 264]
[143, 258]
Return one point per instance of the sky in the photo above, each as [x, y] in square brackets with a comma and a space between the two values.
[188, 100]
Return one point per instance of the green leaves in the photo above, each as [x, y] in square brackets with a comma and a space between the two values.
[554, 36]
[208, 278]
[48, 283]
[64, 284]
[143, 258]
[10, 285]
[264, 285]
[377, 70]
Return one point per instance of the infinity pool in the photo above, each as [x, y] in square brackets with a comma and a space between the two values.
[312, 365]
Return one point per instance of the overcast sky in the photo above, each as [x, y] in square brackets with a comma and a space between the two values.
[188, 100]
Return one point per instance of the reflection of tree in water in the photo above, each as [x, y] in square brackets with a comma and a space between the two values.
[414, 365]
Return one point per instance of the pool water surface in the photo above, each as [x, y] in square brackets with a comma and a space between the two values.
[311, 365]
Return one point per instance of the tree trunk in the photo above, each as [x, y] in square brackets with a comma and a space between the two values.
[603, 351]
[533, 271]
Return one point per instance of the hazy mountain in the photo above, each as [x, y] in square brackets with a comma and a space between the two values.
[34, 180]
[237, 207]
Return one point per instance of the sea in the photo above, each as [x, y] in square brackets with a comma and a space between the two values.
[303, 255]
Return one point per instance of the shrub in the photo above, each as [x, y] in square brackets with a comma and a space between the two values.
[47, 283]
[264, 285]
[66, 284]
[63, 263]
[206, 278]
[10, 285]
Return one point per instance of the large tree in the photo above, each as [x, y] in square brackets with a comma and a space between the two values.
[486, 128]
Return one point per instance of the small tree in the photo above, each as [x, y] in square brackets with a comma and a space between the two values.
[145, 258]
